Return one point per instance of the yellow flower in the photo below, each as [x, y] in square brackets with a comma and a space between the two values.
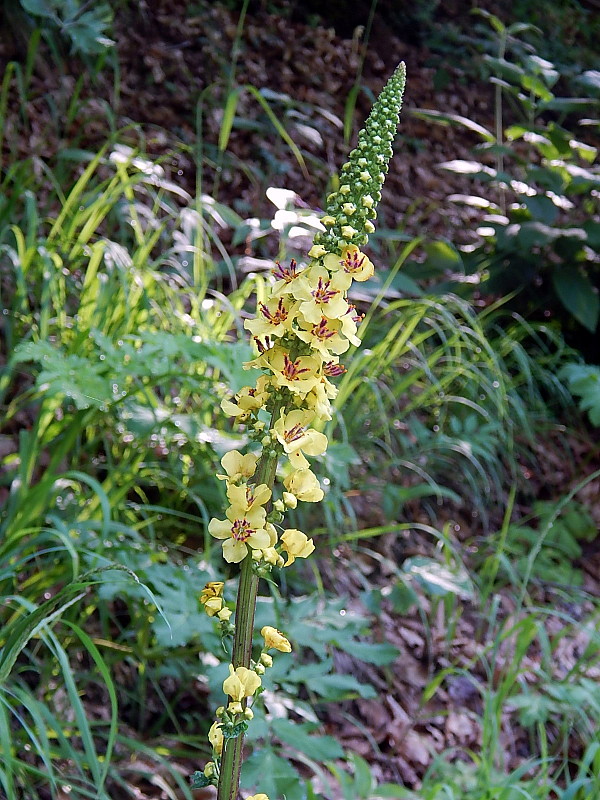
[211, 599]
[224, 614]
[317, 250]
[352, 265]
[213, 605]
[296, 544]
[291, 431]
[237, 466]
[318, 399]
[215, 737]
[290, 500]
[274, 639]
[260, 796]
[270, 555]
[241, 683]
[210, 769]
[274, 318]
[299, 375]
[323, 297]
[240, 532]
[248, 399]
[212, 589]
[287, 279]
[324, 336]
[244, 498]
[349, 323]
[303, 484]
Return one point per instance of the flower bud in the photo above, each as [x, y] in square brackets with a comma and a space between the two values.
[273, 638]
[266, 659]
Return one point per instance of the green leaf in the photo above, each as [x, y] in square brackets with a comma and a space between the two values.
[228, 117]
[444, 118]
[591, 80]
[541, 208]
[537, 87]
[298, 736]
[274, 776]
[40, 8]
[444, 256]
[576, 292]
[533, 707]
[199, 780]
[370, 652]
[439, 579]
[584, 381]
[568, 105]
[505, 69]
[342, 687]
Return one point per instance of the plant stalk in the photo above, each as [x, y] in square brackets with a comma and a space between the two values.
[231, 759]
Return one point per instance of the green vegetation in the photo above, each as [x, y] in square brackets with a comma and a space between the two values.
[450, 617]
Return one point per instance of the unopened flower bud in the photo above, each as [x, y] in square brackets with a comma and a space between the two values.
[235, 708]
[209, 769]
[290, 499]
[266, 659]
[248, 713]
[259, 669]
[279, 505]
[224, 614]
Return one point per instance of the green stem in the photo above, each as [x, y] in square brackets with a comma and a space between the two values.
[231, 758]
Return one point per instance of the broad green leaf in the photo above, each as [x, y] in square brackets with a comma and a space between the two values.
[444, 256]
[505, 69]
[342, 687]
[541, 208]
[371, 652]
[577, 294]
[439, 579]
[272, 775]
[584, 381]
[568, 105]
[298, 736]
[533, 708]
[445, 118]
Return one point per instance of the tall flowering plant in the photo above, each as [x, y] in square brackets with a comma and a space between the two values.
[300, 331]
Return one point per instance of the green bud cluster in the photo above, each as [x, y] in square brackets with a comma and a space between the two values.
[349, 211]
